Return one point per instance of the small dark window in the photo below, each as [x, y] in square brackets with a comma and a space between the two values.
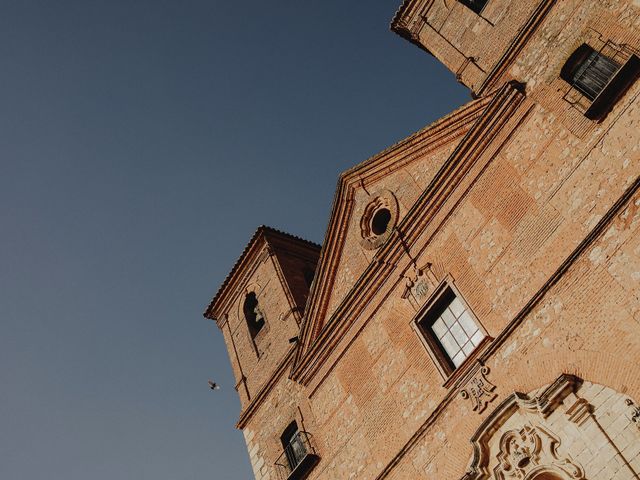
[450, 330]
[589, 71]
[475, 5]
[600, 78]
[380, 221]
[298, 457]
[294, 448]
[252, 314]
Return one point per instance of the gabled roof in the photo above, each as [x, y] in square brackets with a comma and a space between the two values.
[431, 138]
[479, 121]
[263, 233]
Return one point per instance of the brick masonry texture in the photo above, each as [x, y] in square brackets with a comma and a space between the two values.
[529, 211]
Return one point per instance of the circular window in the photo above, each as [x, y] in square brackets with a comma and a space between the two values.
[378, 219]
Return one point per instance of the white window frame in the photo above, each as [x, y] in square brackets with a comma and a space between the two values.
[423, 323]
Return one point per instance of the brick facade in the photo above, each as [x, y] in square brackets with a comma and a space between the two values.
[521, 205]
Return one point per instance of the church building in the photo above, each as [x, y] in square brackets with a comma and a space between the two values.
[474, 310]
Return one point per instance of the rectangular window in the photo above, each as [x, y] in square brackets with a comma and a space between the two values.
[475, 5]
[298, 457]
[599, 77]
[450, 330]
[294, 448]
[589, 71]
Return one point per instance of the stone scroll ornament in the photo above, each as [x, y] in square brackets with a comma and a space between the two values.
[531, 451]
[526, 449]
[480, 390]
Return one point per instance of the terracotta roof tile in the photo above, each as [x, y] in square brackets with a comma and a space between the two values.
[261, 230]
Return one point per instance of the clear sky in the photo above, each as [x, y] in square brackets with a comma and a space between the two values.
[141, 144]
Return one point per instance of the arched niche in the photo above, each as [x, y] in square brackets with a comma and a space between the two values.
[253, 314]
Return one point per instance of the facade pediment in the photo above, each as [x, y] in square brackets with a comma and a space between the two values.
[398, 180]
[332, 308]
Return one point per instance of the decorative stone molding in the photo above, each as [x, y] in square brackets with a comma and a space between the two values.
[419, 285]
[545, 403]
[383, 200]
[580, 411]
[479, 390]
[531, 451]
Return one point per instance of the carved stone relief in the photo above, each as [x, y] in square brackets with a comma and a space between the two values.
[634, 412]
[526, 448]
[557, 433]
[479, 390]
[419, 284]
[531, 451]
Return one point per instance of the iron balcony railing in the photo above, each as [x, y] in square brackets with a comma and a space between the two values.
[594, 74]
[602, 78]
[297, 459]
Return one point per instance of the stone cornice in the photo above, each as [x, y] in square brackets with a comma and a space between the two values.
[428, 139]
[321, 339]
[408, 20]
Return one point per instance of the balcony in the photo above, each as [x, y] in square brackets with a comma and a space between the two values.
[298, 458]
[602, 78]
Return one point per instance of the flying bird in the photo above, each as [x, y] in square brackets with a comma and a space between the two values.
[213, 385]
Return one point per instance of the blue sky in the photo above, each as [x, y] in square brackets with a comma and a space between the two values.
[141, 144]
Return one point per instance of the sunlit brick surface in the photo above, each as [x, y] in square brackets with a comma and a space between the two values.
[531, 210]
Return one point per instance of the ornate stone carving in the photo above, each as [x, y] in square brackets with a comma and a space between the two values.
[383, 201]
[634, 412]
[528, 452]
[479, 390]
[516, 452]
[419, 286]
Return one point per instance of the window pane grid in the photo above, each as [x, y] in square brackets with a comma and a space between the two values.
[457, 332]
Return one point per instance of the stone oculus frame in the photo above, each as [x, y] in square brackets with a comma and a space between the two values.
[432, 345]
[383, 201]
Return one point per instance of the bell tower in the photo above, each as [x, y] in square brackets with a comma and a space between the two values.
[259, 306]
[477, 40]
